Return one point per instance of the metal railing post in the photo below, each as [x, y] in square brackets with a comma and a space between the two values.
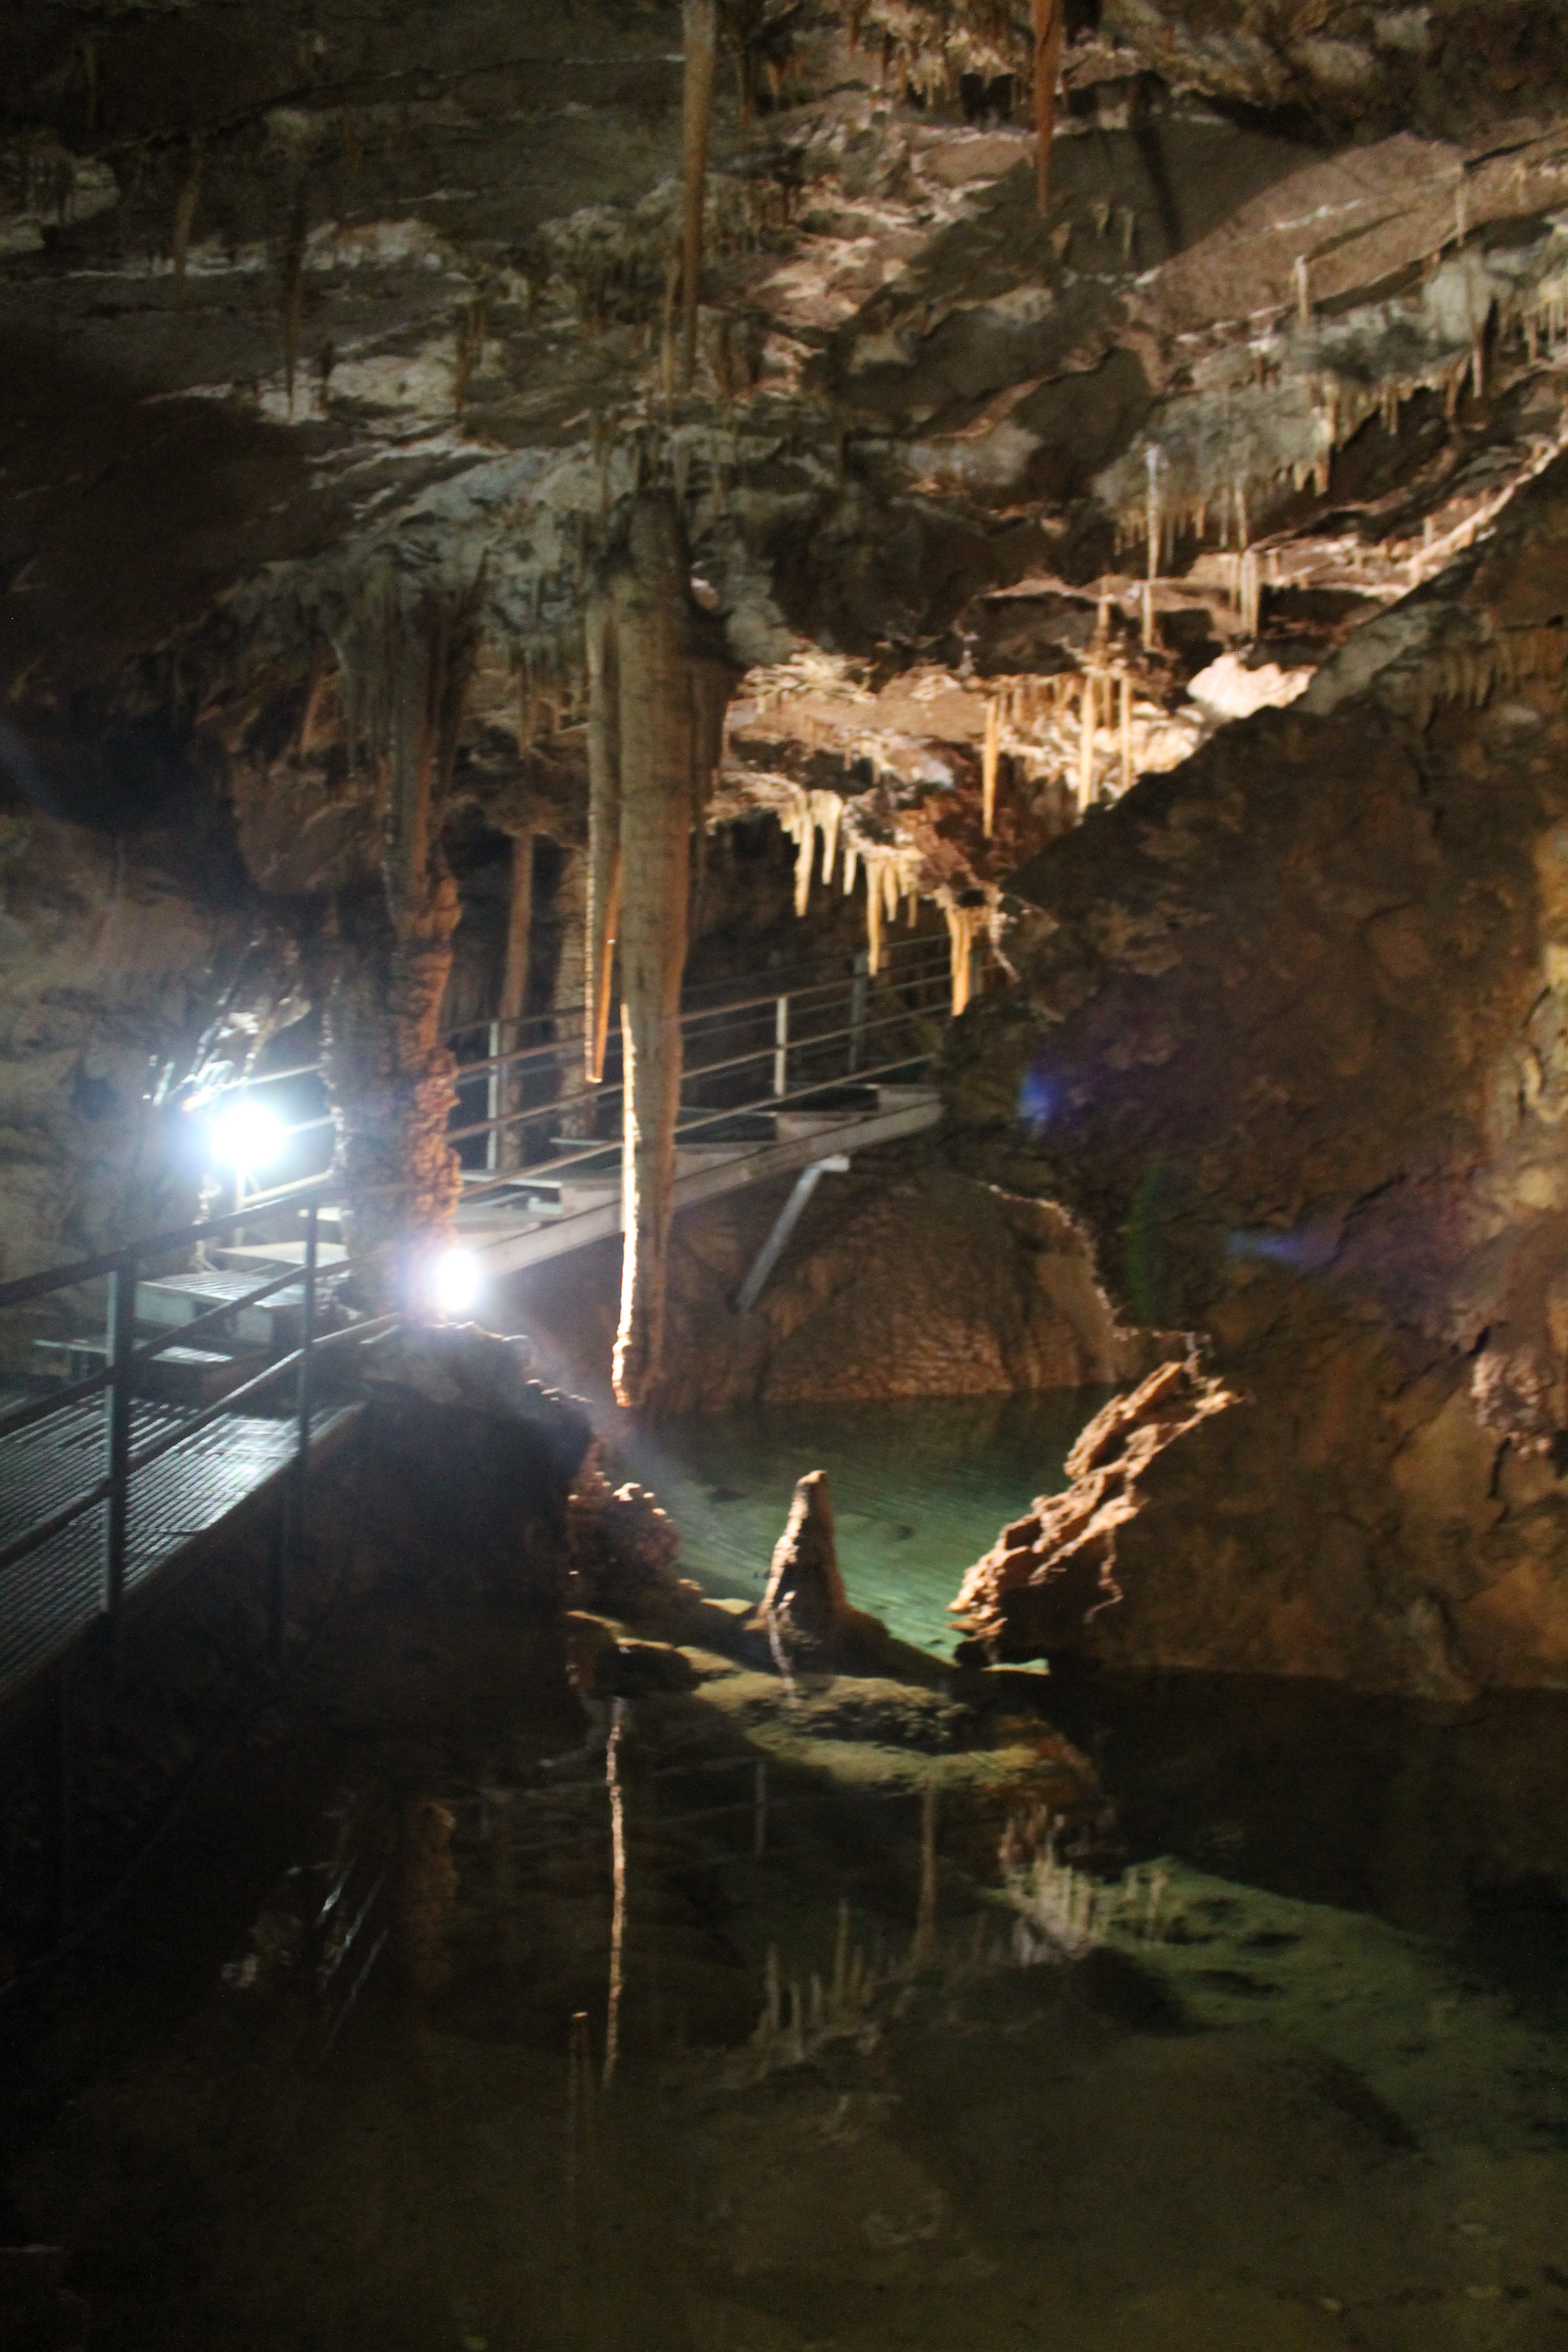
[858, 989]
[121, 1337]
[493, 1101]
[307, 1369]
[781, 1045]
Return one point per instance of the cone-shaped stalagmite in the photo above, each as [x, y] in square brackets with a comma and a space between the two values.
[657, 691]
[389, 1078]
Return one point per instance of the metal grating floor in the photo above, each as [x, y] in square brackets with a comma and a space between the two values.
[48, 1597]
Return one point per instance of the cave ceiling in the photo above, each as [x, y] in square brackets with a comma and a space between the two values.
[299, 298]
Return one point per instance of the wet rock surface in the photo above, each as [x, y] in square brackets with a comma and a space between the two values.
[1287, 1042]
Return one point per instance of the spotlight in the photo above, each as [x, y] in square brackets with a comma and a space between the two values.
[454, 1283]
[247, 1139]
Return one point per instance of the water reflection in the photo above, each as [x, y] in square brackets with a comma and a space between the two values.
[920, 1488]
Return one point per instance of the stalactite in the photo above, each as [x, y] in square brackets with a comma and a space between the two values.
[1086, 740]
[604, 879]
[961, 927]
[700, 20]
[1049, 19]
[989, 757]
[1152, 462]
[873, 921]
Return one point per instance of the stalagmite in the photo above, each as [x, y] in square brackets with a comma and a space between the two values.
[1049, 18]
[1127, 767]
[700, 19]
[1304, 290]
[1249, 592]
[989, 758]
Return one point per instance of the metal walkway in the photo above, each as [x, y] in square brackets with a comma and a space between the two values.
[199, 1390]
[110, 1477]
[50, 1595]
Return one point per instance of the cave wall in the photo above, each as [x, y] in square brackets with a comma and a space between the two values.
[903, 1279]
[106, 951]
[1292, 1041]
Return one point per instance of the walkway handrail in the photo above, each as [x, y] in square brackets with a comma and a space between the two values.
[28, 1287]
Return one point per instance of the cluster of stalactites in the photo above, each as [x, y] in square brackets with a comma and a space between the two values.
[1081, 726]
[892, 869]
[1470, 675]
[551, 690]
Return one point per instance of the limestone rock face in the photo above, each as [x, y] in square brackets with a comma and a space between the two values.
[105, 958]
[927, 1285]
[1050, 1574]
[1292, 1042]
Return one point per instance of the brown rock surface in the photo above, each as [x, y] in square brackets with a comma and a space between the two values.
[1049, 1575]
[1292, 1043]
[927, 1285]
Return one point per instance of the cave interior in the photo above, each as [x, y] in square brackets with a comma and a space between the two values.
[784, 806]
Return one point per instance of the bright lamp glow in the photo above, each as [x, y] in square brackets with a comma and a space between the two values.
[454, 1281]
[247, 1139]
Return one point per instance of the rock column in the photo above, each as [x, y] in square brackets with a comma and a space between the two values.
[656, 702]
[390, 1080]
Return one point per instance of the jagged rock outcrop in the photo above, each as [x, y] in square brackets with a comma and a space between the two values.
[1050, 1574]
[1292, 1041]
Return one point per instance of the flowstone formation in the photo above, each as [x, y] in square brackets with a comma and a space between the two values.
[1289, 1038]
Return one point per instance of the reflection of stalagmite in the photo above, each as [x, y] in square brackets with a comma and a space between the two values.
[389, 1079]
[657, 719]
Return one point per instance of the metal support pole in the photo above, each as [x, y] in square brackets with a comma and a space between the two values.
[493, 1099]
[305, 1401]
[63, 1835]
[780, 1046]
[121, 1346]
[278, 1588]
[859, 988]
[785, 1223]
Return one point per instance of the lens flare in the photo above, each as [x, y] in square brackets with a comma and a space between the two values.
[454, 1283]
[247, 1139]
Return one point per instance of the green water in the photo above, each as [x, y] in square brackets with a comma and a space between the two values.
[919, 1489]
